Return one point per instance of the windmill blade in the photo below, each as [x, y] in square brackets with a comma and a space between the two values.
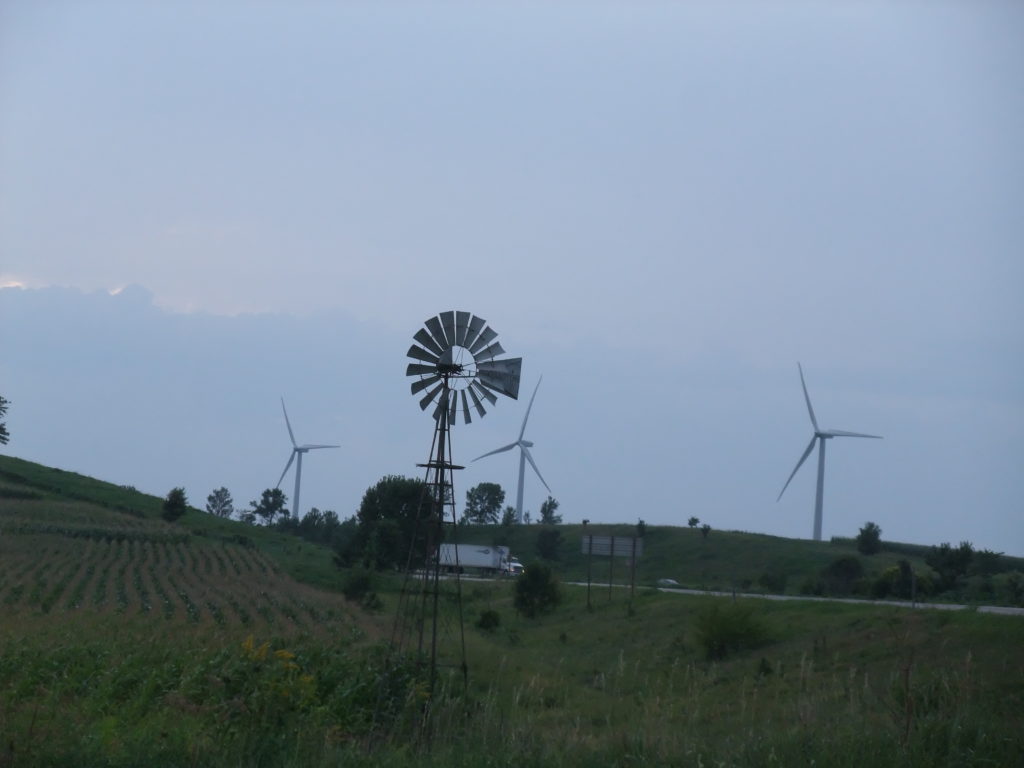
[448, 323]
[522, 431]
[419, 386]
[434, 326]
[461, 327]
[476, 402]
[314, 447]
[501, 376]
[288, 423]
[807, 397]
[429, 398]
[481, 389]
[427, 341]
[486, 337]
[415, 369]
[418, 353]
[475, 326]
[453, 408]
[810, 447]
[286, 468]
[841, 433]
[465, 408]
[504, 448]
[489, 352]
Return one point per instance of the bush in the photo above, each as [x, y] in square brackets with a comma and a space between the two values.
[358, 587]
[174, 505]
[537, 591]
[724, 628]
[869, 540]
[489, 620]
[549, 543]
[842, 574]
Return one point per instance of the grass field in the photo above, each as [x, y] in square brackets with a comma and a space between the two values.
[125, 640]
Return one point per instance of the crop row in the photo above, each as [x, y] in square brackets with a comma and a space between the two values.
[219, 583]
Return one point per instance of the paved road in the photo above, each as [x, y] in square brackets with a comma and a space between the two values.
[1000, 609]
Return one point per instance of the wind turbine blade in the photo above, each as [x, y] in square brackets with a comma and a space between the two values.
[461, 327]
[418, 386]
[448, 323]
[504, 448]
[427, 341]
[841, 433]
[314, 447]
[529, 458]
[486, 337]
[465, 408]
[475, 326]
[288, 423]
[807, 397]
[810, 447]
[522, 431]
[286, 468]
[481, 389]
[428, 399]
[476, 402]
[419, 353]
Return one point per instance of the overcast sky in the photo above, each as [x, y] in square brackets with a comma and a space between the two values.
[660, 207]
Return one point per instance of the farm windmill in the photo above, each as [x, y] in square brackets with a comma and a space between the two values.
[524, 456]
[297, 452]
[819, 437]
[457, 368]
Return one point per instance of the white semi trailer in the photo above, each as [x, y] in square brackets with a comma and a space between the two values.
[478, 558]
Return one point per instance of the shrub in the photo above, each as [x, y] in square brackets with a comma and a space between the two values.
[174, 505]
[869, 540]
[358, 587]
[773, 580]
[842, 574]
[537, 591]
[549, 543]
[489, 620]
[723, 628]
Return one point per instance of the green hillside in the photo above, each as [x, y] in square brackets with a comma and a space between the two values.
[126, 640]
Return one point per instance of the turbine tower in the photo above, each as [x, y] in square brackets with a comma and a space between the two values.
[524, 456]
[819, 436]
[297, 450]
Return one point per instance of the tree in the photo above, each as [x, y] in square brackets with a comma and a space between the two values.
[537, 591]
[693, 522]
[869, 540]
[548, 514]
[641, 528]
[950, 563]
[174, 505]
[705, 530]
[549, 543]
[483, 504]
[220, 504]
[270, 505]
[508, 517]
[4, 434]
[387, 522]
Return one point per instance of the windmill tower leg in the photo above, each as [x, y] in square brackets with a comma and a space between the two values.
[818, 498]
[298, 483]
[519, 490]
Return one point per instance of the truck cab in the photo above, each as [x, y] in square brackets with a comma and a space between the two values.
[513, 567]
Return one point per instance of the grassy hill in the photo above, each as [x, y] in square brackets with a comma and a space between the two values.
[127, 640]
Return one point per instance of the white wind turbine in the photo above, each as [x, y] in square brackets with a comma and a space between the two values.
[524, 456]
[297, 450]
[820, 436]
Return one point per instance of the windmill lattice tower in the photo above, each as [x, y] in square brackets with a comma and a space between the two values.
[457, 370]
